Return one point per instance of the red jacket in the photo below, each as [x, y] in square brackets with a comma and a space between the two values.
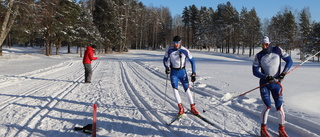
[88, 56]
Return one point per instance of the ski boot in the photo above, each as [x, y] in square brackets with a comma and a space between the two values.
[193, 110]
[264, 131]
[181, 109]
[282, 132]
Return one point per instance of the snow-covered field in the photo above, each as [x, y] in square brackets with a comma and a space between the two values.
[45, 96]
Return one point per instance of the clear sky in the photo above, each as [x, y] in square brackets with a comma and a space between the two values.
[264, 8]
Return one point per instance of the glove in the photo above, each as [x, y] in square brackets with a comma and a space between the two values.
[281, 76]
[269, 78]
[193, 77]
[167, 71]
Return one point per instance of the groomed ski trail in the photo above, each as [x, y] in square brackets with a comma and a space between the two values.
[130, 97]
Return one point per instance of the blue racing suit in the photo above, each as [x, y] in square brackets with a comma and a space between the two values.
[177, 59]
[269, 60]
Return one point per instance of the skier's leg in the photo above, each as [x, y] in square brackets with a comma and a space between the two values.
[177, 95]
[264, 115]
[178, 98]
[265, 96]
[281, 116]
[188, 92]
[174, 83]
[278, 101]
[89, 73]
[185, 83]
[276, 91]
[85, 72]
[174, 78]
[192, 105]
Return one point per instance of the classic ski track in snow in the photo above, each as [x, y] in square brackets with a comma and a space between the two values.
[246, 115]
[138, 101]
[34, 118]
[144, 108]
[33, 75]
[171, 99]
[153, 91]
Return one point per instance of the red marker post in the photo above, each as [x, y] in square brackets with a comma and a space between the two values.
[94, 124]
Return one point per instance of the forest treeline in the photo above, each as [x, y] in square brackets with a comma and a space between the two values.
[119, 25]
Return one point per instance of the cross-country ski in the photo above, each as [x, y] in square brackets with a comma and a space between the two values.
[177, 118]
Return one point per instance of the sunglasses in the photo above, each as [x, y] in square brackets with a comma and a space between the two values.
[176, 42]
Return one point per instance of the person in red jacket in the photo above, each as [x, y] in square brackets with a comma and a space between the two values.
[87, 58]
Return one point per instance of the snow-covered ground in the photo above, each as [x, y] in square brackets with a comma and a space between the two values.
[45, 96]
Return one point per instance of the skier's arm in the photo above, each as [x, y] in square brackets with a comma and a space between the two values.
[286, 57]
[257, 73]
[91, 56]
[165, 59]
[255, 69]
[190, 58]
[193, 65]
[288, 65]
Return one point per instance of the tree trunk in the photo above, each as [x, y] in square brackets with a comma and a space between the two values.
[50, 48]
[47, 48]
[8, 22]
[69, 47]
[58, 47]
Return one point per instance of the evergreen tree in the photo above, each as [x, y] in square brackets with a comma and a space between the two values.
[315, 39]
[106, 19]
[67, 18]
[186, 15]
[194, 20]
[289, 31]
[254, 30]
[305, 31]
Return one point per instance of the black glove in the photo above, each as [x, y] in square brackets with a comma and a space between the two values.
[167, 71]
[193, 77]
[281, 76]
[269, 78]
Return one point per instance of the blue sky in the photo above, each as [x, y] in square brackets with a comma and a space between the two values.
[264, 8]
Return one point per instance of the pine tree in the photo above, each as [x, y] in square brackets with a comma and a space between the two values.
[106, 18]
[186, 15]
[315, 37]
[305, 31]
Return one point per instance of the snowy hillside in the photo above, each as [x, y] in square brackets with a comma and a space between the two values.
[45, 96]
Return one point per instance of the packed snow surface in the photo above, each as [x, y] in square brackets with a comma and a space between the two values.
[44, 96]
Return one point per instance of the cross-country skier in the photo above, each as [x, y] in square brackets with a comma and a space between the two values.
[177, 55]
[87, 58]
[269, 60]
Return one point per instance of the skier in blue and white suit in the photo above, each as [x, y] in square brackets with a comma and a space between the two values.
[269, 60]
[177, 55]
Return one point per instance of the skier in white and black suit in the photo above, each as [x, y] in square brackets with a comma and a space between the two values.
[177, 55]
[269, 60]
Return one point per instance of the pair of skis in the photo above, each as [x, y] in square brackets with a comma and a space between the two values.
[197, 115]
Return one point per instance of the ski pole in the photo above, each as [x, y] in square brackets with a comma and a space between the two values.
[242, 94]
[270, 81]
[194, 95]
[165, 100]
[296, 68]
[303, 62]
[276, 81]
